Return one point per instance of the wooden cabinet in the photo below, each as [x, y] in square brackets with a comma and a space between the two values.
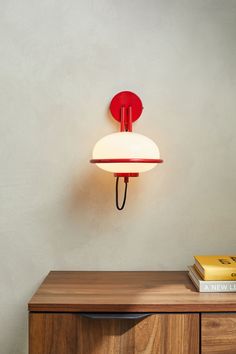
[219, 333]
[129, 313]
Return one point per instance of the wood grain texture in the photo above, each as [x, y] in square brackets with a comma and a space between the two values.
[219, 333]
[52, 333]
[168, 333]
[73, 334]
[126, 292]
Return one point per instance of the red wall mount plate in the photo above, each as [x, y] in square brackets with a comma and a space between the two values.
[126, 99]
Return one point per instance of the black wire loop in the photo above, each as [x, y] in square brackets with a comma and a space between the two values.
[117, 194]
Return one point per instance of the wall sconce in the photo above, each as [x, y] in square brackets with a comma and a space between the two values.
[125, 153]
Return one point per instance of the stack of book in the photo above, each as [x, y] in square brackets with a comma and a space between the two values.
[214, 273]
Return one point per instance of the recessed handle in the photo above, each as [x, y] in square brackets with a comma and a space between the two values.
[113, 316]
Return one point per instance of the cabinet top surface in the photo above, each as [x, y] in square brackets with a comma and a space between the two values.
[145, 291]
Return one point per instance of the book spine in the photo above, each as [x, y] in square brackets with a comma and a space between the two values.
[213, 286]
[218, 274]
[216, 287]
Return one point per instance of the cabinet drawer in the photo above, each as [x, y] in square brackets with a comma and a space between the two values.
[219, 333]
[64, 333]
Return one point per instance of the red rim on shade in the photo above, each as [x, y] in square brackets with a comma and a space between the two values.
[126, 160]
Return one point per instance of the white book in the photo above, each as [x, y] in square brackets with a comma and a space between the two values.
[211, 286]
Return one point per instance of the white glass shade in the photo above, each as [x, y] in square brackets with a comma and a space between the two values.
[126, 145]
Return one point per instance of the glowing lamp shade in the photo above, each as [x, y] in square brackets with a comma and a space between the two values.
[126, 152]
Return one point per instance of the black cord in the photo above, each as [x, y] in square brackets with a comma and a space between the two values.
[117, 194]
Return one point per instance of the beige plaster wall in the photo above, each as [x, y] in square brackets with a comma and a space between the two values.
[60, 64]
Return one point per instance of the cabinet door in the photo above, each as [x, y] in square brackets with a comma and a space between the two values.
[74, 334]
[219, 333]
[52, 333]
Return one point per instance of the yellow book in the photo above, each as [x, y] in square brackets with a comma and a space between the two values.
[216, 267]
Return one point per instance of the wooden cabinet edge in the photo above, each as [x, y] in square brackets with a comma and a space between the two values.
[211, 308]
